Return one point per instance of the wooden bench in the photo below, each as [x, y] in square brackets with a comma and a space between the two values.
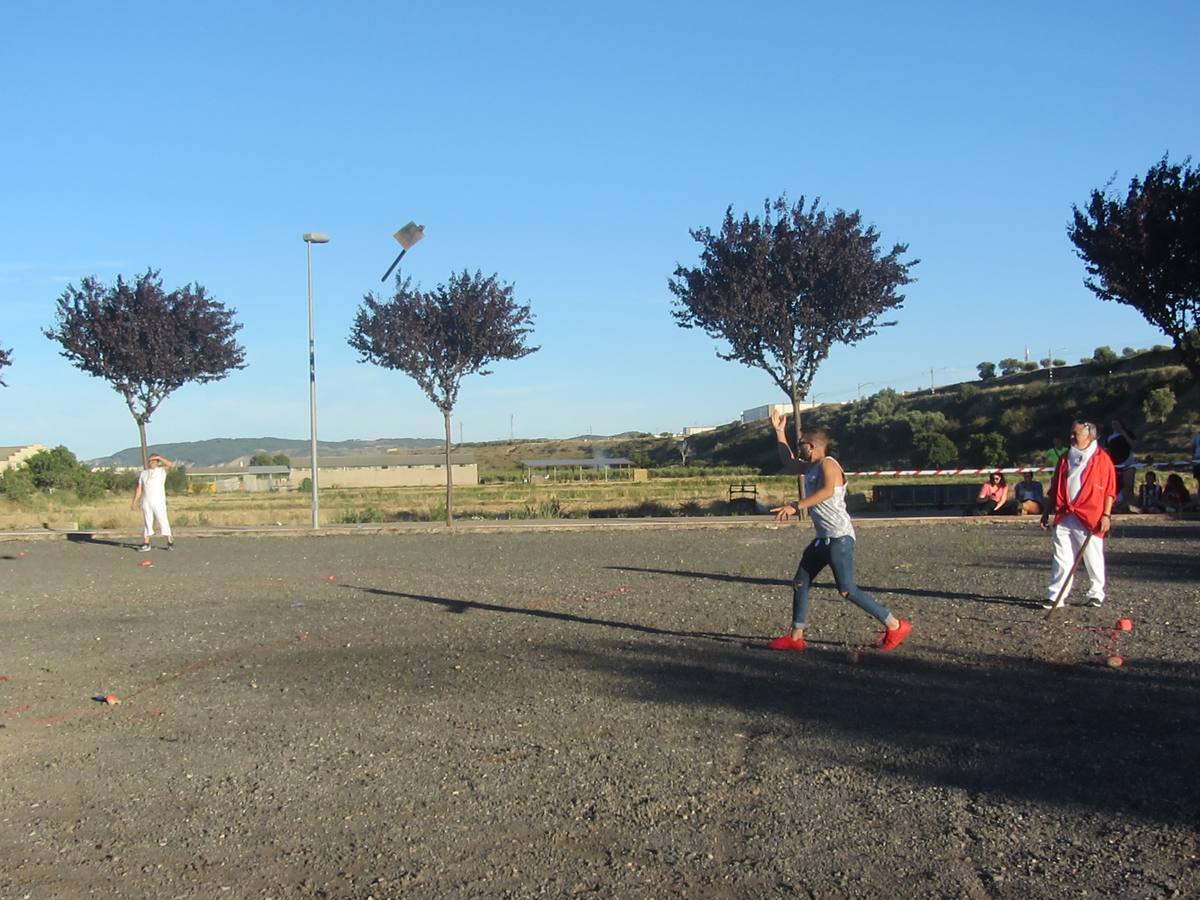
[924, 496]
[743, 499]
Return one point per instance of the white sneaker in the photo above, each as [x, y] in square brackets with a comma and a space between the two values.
[145, 548]
[1050, 604]
[1096, 602]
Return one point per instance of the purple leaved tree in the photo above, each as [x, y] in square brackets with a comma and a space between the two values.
[439, 336]
[1143, 250]
[144, 341]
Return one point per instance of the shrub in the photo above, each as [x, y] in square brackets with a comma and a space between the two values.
[176, 481]
[932, 450]
[356, 516]
[17, 484]
[986, 449]
[1158, 404]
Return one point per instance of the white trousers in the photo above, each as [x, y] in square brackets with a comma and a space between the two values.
[155, 509]
[1068, 536]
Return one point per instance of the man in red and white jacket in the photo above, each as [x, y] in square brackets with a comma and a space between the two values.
[1081, 498]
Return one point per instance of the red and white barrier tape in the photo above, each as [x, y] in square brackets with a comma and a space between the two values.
[908, 473]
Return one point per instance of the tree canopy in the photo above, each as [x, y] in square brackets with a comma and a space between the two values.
[5, 361]
[144, 341]
[438, 337]
[1143, 250]
[782, 289]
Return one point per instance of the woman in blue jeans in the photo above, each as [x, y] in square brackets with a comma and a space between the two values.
[833, 546]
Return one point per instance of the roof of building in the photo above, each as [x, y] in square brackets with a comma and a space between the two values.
[231, 471]
[386, 460]
[590, 463]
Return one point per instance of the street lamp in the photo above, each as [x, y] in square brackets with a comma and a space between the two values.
[310, 238]
[405, 237]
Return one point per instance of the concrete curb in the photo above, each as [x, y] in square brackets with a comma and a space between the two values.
[497, 525]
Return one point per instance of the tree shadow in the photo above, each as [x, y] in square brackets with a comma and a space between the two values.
[787, 583]
[1086, 736]
[461, 606]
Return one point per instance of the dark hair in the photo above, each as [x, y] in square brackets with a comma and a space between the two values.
[999, 475]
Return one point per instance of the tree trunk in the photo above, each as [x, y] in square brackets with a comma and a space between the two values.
[142, 434]
[799, 431]
[449, 475]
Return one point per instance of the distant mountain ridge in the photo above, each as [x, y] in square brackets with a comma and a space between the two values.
[223, 451]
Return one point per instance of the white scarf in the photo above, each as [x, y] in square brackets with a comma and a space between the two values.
[1077, 461]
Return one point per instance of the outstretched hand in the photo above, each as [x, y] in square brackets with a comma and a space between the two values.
[778, 419]
[785, 512]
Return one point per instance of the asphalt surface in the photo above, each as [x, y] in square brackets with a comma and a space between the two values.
[592, 712]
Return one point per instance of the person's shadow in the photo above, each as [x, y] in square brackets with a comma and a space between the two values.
[87, 537]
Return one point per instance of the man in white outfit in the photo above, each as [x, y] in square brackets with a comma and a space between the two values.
[1080, 503]
[151, 491]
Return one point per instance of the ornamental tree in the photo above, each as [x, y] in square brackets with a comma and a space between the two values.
[782, 289]
[438, 337]
[144, 341]
[1143, 250]
[5, 361]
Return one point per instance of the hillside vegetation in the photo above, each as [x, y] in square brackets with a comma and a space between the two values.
[1012, 419]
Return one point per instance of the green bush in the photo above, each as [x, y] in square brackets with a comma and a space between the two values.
[987, 449]
[1158, 404]
[356, 516]
[117, 482]
[932, 450]
[176, 482]
[17, 484]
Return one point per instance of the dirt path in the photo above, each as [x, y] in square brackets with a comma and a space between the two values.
[550, 714]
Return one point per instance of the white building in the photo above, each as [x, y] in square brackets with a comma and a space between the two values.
[758, 413]
[388, 470]
[11, 457]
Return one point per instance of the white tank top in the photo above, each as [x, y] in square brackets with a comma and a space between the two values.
[829, 517]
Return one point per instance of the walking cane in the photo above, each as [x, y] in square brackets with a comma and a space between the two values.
[1070, 574]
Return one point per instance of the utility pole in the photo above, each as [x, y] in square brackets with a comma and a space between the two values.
[931, 388]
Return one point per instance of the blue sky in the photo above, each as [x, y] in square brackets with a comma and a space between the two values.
[569, 150]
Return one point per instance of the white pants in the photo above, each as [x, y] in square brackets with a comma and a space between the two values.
[1068, 537]
[155, 509]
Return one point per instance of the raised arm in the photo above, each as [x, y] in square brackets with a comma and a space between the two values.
[787, 459]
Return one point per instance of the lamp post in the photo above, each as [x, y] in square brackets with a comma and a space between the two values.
[310, 238]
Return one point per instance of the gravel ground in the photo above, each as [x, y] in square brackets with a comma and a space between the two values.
[593, 712]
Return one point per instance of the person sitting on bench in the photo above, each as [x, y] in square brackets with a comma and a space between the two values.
[992, 496]
[1030, 497]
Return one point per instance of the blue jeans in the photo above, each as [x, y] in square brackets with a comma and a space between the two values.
[838, 554]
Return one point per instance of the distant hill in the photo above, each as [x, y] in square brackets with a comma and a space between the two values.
[223, 451]
[1030, 411]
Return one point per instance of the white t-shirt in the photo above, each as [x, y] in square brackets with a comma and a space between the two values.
[154, 485]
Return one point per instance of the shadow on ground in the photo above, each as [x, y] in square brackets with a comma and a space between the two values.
[1086, 736]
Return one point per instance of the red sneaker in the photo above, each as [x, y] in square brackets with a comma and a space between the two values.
[894, 637]
[787, 642]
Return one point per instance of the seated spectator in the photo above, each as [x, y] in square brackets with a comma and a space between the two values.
[1150, 494]
[1175, 496]
[992, 496]
[1030, 496]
